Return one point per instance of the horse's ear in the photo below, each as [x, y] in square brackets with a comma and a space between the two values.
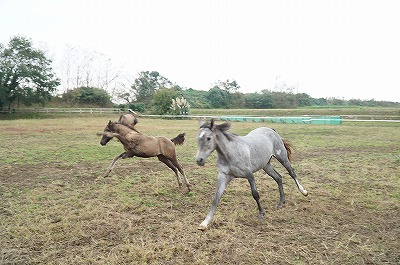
[224, 126]
[212, 123]
[109, 122]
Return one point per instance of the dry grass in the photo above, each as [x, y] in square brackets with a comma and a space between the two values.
[55, 207]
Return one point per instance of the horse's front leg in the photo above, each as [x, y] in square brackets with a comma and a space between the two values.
[113, 163]
[223, 181]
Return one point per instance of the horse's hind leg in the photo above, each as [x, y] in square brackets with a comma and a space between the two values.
[179, 167]
[278, 178]
[172, 158]
[166, 161]
[113, 163]
[286, 163]
[255, 194]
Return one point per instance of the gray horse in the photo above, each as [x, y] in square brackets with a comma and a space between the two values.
[240, 157]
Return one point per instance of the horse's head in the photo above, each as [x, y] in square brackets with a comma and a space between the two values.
[206, 142]
[107, 133]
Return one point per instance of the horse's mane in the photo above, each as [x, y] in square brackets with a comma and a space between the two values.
[206, 125]
[223, 128]
[229, 135]
[128, 126]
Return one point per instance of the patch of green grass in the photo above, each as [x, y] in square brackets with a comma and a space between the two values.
[395, 195]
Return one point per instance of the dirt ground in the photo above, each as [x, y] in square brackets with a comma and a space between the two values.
[59, 210]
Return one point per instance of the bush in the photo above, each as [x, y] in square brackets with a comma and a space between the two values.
[140, 107]
[162, 100]
[179, 106]
[88, 95]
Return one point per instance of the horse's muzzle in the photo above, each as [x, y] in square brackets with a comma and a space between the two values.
[200, 161]
[104, 140]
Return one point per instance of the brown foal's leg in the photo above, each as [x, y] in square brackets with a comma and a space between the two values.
[166, 161]
[113, 163]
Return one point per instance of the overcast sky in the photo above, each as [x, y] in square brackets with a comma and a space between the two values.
[345, 49]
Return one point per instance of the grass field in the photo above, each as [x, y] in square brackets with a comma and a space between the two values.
[56, 208]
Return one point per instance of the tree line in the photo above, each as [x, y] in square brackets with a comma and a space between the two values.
[27, 78]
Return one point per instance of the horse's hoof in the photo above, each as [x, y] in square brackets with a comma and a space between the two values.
[202, 227]
[260, 216]
[280, 205]
[107, 173]
[303, 190]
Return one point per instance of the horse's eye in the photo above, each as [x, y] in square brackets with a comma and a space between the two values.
[208, 138]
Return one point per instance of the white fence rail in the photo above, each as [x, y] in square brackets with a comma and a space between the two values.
[345, 118]
[68, 110]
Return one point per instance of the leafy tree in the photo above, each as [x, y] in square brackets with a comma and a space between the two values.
[303, 100]
[88, 96]
[281, 100]
[196, 98]
[162, 100]
[218, 98]
[237, 100]
[25, 74]
[258, 101]
[137, 107]
[227, 93]
[230, 86]
[336, 101]
[356, 102]
[146, 85]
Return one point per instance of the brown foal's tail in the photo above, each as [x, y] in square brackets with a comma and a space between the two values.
[289, 149]
[179, 139]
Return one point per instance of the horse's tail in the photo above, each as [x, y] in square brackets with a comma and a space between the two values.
[178, 140]
[289, 149]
